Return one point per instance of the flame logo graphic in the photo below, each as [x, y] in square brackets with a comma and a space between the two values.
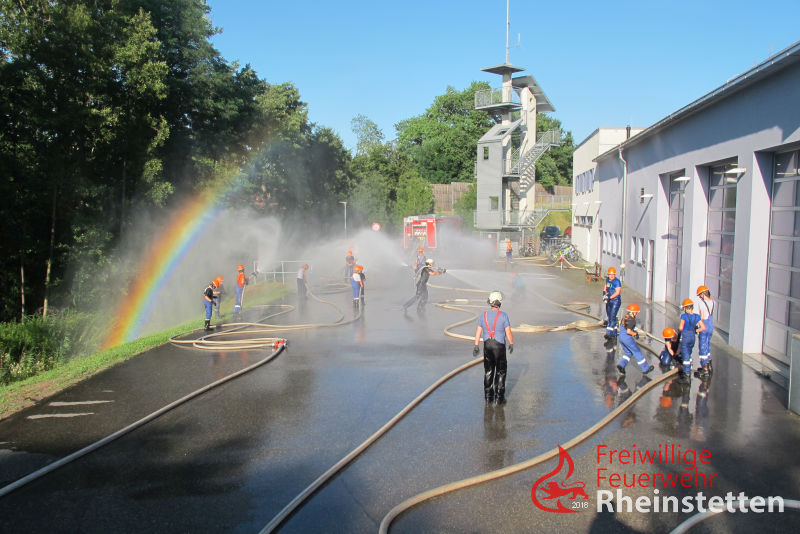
[553, 490]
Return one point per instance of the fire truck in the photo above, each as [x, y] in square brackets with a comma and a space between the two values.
[425, 230]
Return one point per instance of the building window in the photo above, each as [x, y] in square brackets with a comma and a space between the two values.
[719, 241]
[782, 314]
[486, 152]
[494, 203]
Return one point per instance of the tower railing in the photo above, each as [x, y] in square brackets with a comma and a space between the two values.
[495, 96]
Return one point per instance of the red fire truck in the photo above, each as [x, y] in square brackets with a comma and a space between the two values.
[425, 230]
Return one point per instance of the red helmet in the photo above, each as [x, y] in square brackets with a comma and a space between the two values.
[634, 308]
[702, 289]
[240, 267]
[305, 266]
[687, 303]
[612, 270]
[668, 333]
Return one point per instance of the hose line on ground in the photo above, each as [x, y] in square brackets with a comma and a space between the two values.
[133, 426]
[515, 468]
[295, 503]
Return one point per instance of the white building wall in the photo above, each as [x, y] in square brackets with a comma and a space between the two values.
[748, 125]
[586, 203]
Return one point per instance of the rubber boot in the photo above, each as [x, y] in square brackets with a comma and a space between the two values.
[488, 386]
[501, 388]
[207, 326]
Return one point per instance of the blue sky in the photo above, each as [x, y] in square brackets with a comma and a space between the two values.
[600, 63]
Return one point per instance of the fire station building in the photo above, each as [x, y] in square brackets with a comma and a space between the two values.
[711, 195]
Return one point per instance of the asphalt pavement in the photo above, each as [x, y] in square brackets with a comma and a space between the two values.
[231, 459]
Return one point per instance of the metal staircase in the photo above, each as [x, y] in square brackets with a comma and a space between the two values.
[524, 166]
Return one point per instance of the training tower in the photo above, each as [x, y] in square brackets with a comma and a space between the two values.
[505, 169]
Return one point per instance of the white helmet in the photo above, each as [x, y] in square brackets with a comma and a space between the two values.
[495, 299]
[429, 261]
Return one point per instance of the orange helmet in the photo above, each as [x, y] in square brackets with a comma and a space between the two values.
[305, 266]
[612, 270]
[687, 303]
[420, 249]
[666, 402]
[634, 308]
[240, 267]
[219, 280]
[702, 289]
[668, 333]
[358, 268]
[349, 252]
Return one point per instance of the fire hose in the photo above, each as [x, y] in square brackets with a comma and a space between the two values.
[298, 500]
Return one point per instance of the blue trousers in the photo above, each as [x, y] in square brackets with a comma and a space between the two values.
[687, 346]
[612, 307]
[665, 357]
[630, 348]
[356, 289]
[239, 291]
[704, 341]
[209, 307]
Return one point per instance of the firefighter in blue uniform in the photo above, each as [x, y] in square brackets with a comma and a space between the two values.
[209, 301]
[627, 338]
[612, 295]
[494, 328]
[690, 325]
[706, 309]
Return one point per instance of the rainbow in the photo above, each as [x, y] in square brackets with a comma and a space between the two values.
[181, 232]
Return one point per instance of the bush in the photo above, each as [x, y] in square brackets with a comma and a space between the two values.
[37, 344]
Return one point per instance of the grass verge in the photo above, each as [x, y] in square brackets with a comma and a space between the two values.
[18, 395]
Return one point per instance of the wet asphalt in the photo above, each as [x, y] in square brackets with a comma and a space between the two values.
[231, 459]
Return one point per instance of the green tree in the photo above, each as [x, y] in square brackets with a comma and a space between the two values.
[554, 167]
[414, 197]
[368, 134]
[442, 142]
[370, 200]
[466, 206]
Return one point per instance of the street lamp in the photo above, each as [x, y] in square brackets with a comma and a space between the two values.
[345, 217]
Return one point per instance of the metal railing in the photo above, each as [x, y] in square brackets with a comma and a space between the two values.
[494, 97]
[544, 140]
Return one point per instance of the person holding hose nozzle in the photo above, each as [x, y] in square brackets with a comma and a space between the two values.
[218, 292]
[209, 302]
[241, 281]
[612, 296]
[628, 336]
[495, 328]
[423, 276]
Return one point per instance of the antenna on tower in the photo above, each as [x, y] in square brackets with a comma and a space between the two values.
[508, 28]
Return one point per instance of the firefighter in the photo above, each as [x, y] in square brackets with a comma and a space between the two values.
[706, 309]
[357, 285]
[671, 352]
[302, 282]
[209, 301]
[509, 251]
[360, 271]
[218, 292]
[423, 276]
[627, 338]
[419, 260]
[241, 281]
[690, 325]
[494, 328]
[612, 296]
[349, 263]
